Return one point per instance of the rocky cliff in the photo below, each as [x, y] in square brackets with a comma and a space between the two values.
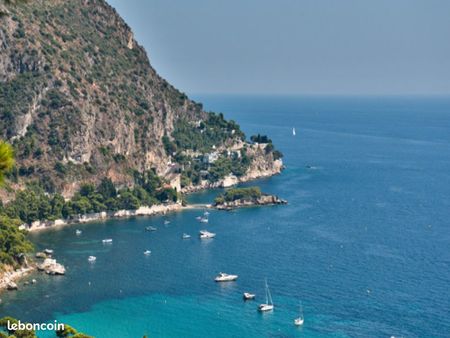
[80, 101]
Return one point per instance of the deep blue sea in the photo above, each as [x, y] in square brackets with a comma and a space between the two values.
[364, 242]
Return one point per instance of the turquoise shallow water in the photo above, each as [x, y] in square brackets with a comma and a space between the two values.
[363, 242]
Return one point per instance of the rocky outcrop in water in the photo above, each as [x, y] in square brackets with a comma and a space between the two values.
[264, 199]
[51, 267]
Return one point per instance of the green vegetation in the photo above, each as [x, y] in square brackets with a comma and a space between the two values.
[6, 159]
[16, 333]
[263, 139]
[203, 135]
[69, 331]
[33, 203]
[235, 194]
[260, 139]
[12, 242]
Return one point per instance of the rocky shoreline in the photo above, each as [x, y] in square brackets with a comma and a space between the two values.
[253, 174]
[228, 181]
[264, 199]
[9, 278]
[102, 216]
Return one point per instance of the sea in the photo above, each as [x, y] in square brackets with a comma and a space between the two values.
[363, 244]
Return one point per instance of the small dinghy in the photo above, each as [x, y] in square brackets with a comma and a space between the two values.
[248, 296]
[186, 236]
[147, 252]
[78, 232]
[150, 228]
[107, 241]
[92, 259]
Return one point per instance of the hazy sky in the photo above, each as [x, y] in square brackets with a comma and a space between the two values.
[296, 46]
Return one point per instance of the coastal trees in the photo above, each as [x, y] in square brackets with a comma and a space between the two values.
[5, 324]
[33, 203]
[234, 194]
[107, 189]
[205, 134]
[260, 139]
[270, 148]
[12, 241]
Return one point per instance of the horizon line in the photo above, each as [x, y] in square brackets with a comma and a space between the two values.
[321, 94]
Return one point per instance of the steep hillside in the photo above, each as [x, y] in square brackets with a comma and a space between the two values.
[79, 101]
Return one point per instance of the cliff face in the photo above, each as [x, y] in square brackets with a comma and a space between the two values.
[78, 93]
[80, 101]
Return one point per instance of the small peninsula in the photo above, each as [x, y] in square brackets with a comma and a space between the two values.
[245, 197]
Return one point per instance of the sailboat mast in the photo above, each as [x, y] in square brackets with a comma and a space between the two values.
[270, 296]
[267, 289]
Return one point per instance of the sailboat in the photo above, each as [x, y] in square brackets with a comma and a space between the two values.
[300, 319]
[293, 131]
[268, 305]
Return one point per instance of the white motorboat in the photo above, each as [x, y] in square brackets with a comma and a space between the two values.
[92, 259]
[293, 132]
[249, 296]
[224, 277]
[48, 252]
[147, 252]
[300, 319]
[186, 236]
[198, 218]
[204, 220]
[206, 213]
[265, 307]
[268, 305]
[107, 241]
[78, 232]
[166, 222]
[150, 228]
[206, 234]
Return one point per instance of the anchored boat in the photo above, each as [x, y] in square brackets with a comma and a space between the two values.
[300, 319]
[268, 305]
[206, 234]
[224, 277]
[248, 296]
